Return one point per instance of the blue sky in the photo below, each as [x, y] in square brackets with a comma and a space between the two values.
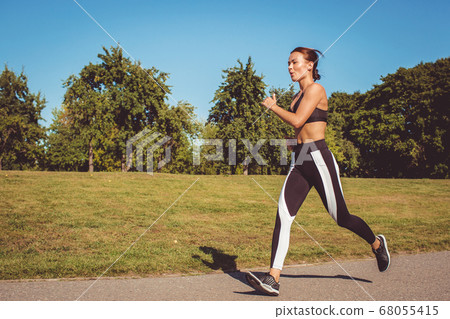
[195, 40]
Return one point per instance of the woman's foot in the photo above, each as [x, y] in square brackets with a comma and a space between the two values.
[382, 254]
[275, 273]
[265, 283]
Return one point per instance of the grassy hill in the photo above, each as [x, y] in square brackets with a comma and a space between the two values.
[55, 224]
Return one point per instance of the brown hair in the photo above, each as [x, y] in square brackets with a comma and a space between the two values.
[310, 55]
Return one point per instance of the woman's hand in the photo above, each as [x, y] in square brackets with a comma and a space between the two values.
[270, 101]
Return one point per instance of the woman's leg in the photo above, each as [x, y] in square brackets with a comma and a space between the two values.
[292, 195]
[328, 185]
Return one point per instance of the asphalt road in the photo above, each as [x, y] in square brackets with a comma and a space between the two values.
[410, 277]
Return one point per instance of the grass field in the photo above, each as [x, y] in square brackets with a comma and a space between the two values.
[55, 224]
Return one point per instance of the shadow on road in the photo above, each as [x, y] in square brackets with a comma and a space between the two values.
[222, 261]
[327, 277]
[227, 263]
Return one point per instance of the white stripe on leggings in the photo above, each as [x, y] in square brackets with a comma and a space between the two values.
[327, 183]
[337, 172]
[285, 228]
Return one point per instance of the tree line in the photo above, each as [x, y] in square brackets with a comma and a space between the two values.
[397, 129]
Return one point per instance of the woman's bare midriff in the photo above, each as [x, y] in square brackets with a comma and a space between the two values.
[310, 132]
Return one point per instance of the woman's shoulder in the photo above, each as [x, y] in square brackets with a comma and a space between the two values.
[315, 88]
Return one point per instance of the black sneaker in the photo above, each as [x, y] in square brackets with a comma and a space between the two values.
[264, 283]
[382, 254]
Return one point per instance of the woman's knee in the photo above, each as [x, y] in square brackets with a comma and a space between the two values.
[344, 219]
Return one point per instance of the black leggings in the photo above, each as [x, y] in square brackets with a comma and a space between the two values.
[314, 166]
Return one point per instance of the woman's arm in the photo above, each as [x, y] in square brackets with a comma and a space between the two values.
[311, 98]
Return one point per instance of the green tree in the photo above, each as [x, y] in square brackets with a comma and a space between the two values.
[208, 131]
[22, 137]
[342, 109]
[65, 148]
[277, 129]
[237, 108]
[109, 102]
[400, 127]
[86, 108]
[180, 123]
[406, 122]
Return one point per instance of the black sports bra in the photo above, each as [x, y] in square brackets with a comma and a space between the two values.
[318, 115]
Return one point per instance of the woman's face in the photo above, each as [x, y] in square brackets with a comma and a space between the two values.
[298, 67]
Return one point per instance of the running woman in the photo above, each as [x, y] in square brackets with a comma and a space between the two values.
[314, 166]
